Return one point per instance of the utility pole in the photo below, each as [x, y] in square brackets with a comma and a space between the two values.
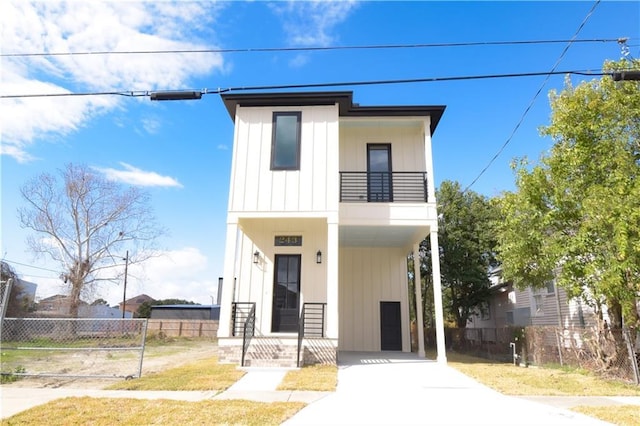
[124, 295]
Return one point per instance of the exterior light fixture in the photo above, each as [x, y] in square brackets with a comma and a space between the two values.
[319, 257]
[256, 257]
[175, 95]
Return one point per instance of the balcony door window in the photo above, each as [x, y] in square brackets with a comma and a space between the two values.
[285, 141]
[379, 182]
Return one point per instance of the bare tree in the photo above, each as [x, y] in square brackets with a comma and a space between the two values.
[85, 222]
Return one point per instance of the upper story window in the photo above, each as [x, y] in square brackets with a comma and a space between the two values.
[285, 142]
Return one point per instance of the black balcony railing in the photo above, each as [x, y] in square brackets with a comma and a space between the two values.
[383, 187]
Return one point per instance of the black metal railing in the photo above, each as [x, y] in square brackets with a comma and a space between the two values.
[248, 331]
[311, 323]
[239, 313]
[383, 187]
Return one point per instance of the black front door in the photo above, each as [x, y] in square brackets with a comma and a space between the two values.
[390, 326]
[379, 184]
[286, 293]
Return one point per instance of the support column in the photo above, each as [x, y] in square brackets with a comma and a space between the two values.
[228, 284]
[437, 296]
[417, 279]
[332, 279]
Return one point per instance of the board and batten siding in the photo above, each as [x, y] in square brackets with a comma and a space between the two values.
[407, 146]
[255, 187]
[254, 281]
[369, 276]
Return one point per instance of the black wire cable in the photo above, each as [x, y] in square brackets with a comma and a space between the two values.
[142, 93]
[309, 49]
[29, 266]
[528, 108]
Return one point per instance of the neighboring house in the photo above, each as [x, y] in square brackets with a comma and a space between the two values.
[131, 305]
[58, 306]
[510, 306]
[185, 312]
[327, 199]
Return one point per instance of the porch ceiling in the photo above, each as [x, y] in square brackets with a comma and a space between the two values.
[381, 236]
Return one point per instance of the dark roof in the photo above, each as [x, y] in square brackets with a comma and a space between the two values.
[344, 100]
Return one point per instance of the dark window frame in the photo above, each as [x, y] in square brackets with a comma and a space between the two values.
[274, 141]
[380, 185]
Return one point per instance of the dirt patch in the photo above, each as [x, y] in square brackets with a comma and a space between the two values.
[158, 356]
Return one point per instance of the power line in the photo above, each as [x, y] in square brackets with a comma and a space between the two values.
[30, 266]
[526, 111]
[309, 49]
[143, 93]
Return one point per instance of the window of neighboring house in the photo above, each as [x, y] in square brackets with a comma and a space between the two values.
[285, 142]
[550, 287]
[485, 311]
[538, 305]
[510, 317]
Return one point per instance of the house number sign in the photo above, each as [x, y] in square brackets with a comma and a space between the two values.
[288, 240]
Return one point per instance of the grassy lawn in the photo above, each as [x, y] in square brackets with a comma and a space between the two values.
[511, 380]
[202, 375]
[311, 378]
[107, 412]
[622, 415]
[207, 375]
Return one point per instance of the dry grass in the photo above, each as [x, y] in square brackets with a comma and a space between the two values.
[621, 415]
[311, 378]
[107, 412]
[202, 375]
[513, 380]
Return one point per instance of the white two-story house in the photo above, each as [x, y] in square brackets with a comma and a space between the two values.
[327, 199]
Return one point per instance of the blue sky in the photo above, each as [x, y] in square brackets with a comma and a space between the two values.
[181, 151]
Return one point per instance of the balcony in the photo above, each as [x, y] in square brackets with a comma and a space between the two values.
[383, 187]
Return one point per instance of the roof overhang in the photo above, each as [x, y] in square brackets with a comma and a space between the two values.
[344, 100]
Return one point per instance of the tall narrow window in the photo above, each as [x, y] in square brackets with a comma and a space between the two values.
[285, 143]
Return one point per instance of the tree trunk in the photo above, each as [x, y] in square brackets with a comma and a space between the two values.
[615, 313]
[74, 302]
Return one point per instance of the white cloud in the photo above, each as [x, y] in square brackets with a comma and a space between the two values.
[222, 147]
[36, 27]
[151, 125]
[310, 23]
[133, 176]
[175, 274]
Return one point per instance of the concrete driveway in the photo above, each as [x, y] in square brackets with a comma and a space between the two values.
[401, 389]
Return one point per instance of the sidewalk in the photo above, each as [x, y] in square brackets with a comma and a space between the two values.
[372, 389]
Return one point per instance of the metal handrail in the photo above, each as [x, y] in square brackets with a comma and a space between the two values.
[311, 322]
[390, 187]
[239, 313]
[248, 332]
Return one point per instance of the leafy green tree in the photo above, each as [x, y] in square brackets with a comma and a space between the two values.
[575, 216]
[467, 242]
[144, 310]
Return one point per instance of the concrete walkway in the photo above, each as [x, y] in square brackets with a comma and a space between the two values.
[373, 389]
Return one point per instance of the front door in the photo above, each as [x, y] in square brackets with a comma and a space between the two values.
[390, 326]
[286, 293]
[379, 184]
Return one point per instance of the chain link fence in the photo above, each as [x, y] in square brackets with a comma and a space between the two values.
[72, 347]
[610, 353]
